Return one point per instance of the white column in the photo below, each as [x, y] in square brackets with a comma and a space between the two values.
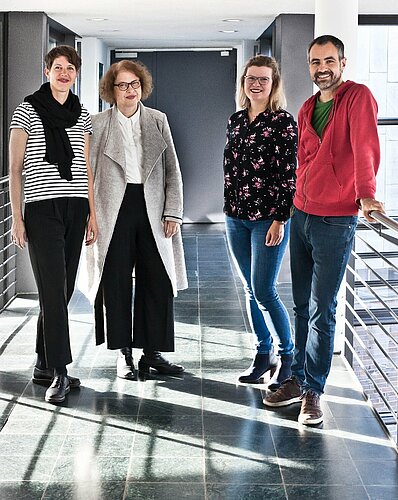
[93, 52]
[340, 18]
[244, 52]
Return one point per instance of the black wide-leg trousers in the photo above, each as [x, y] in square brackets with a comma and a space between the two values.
[55, 230]
[133, 246]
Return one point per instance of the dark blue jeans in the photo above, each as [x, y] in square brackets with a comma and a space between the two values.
[319, 252]
[258, 267]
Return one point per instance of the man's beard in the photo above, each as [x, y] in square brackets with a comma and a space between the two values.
[328, 84]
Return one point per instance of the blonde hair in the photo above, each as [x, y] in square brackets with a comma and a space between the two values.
[277, 98]
[106, 88]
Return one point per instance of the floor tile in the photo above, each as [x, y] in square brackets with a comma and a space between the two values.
[332, 492]
[242, 470]
[94, 490]
[103, 444]
[176, 470]
[231, 491]
[90, 468]
[248, 446]
[319, 472]
[164, 491]
[30, 445]
[190, 425]
[26, 468]
[166, 444]
[309, 447]
[382, 492]
[376, 449]
[21, 490]
[380, 472]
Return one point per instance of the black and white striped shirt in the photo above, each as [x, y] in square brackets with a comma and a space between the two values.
[42, 181]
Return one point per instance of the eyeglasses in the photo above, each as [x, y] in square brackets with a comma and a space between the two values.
[135, 84]
[262, 80]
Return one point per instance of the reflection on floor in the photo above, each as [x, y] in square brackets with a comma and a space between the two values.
[199, 436]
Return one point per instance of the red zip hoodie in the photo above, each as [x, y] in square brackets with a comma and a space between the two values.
[338, 169]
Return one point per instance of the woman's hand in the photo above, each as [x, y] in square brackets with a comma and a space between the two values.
[275, 234]
[170, 228]
[18, 233]
[91, 231]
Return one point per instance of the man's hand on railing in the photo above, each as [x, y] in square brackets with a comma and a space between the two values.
[18, 233]
[368, 205]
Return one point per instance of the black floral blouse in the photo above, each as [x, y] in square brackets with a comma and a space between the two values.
[260, 165]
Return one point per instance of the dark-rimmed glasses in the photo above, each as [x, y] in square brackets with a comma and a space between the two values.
[135, 84]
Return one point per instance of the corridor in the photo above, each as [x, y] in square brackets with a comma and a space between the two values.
[198, 436]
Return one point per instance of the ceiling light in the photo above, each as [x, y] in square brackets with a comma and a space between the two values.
[228, 31]
[97, 19]
[232, 20]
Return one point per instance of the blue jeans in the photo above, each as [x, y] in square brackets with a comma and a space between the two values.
[319, 252]
[258, 267]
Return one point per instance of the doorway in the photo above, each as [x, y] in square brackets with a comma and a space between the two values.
[196, 90]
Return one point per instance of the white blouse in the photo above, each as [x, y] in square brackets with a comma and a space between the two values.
[132, 141]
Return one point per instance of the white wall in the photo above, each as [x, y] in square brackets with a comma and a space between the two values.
[93, 52]
[245, 51]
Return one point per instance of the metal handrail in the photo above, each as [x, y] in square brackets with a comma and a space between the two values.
[370, 362]
[384, 220]
[7, 249]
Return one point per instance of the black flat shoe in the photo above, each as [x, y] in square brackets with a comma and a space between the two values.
[156, 361]
[45, 377]
[125, 364]
[58, 389]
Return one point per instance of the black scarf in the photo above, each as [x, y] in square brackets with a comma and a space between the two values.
[56, 117]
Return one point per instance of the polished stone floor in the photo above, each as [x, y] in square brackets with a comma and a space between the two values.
[198, 436]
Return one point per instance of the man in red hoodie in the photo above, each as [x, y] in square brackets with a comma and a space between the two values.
[338, 157]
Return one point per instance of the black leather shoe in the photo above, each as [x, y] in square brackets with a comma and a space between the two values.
[125, 364]
[58, 389]
[156, 361]
[45, 377]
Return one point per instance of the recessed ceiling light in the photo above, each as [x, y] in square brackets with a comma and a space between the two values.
[97, 19]
[232, 20]
[228, 31]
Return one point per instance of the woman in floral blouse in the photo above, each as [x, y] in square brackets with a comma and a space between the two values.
[259, 183]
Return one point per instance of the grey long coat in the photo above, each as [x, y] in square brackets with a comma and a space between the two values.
[162, 191]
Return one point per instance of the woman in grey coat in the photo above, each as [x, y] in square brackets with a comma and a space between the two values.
[138, 198]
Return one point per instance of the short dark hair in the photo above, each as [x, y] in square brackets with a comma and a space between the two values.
[63, 50]
[107, 90]
[323, 40]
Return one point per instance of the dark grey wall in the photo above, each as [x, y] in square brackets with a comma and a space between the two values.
[291, 36]
[196, 89]
[27, 46]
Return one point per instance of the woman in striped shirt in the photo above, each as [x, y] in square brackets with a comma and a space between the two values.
[49, 140]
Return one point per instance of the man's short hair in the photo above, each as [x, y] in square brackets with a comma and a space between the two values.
[323, 40]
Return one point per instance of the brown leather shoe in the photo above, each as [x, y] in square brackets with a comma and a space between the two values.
[288, 393]
[310, 413]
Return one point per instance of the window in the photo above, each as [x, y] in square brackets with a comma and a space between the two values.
[378, 69]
